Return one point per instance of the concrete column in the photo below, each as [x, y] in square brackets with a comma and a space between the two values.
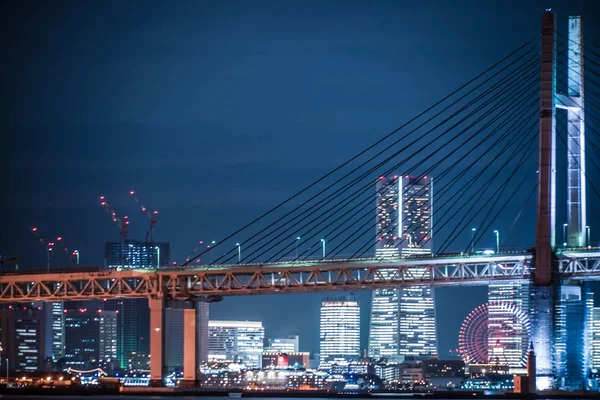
[157, 335]
[546, 204]
[190, 364]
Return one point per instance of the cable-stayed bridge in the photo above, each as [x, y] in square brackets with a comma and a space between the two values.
[489, 146]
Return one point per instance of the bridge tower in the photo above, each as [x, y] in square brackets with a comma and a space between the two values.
[573, 102]
[542, 304]
[548, 303]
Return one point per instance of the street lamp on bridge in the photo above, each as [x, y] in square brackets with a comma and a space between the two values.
[497, 241]
[587, 232]
[239, 248]
[565, 235]
[323, 246]
[298, 238]
[473, 239]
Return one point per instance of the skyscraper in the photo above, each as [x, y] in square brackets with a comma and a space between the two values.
[240, 341]
[508, 339]
[91, 337]
[572, 335]
[22, 337]
[340, 331]
[403, 320]
[54, 331]
[595, 361]
[133, 318]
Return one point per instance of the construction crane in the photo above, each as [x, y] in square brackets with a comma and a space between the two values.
[49, 246]
[152, 216]
[123, 224]
[74, 254]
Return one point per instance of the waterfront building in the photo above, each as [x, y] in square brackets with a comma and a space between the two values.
[339, 331]
[240, 341]
[274, 359]
[290, 344]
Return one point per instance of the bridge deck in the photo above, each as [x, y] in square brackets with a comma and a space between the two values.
[289, 277]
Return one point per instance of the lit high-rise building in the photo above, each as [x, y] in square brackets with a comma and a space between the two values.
[22, 338]
[572, 336]
[508, 339]
[417, 330]
[54, 320]
[340, 331]
[136, 254]
[133, 318]
[403, 320]
[388, 217]
[289, 344]
[595, 359]
[91, 337]
[384, 327]
[240, 341]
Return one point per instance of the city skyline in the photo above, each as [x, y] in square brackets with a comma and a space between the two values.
[85, 126]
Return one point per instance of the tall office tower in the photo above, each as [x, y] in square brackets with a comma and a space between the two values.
[384, 327]
[508, 339]
[572, 335]
[289, 344]
[22, 338]
[388, 217]
[54, 336]
[91, 337]
[595, 358]
[417, 331]
[340, 331]
[403, 320]
[133, 314]
[240, 341]
[416, 212]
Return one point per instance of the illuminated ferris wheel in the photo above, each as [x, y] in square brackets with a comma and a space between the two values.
[495, 332]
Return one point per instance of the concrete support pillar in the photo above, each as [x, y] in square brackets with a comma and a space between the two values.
[157, 335]
[546, 204]
[190, 364]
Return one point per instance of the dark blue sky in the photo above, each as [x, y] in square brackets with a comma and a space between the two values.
[215, 111]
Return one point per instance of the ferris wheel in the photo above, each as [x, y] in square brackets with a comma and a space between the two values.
[495, 332]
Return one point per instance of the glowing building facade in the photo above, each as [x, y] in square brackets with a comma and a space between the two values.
[572, 341]
[91, 337]
[595, 357]
[290, 344]
[339, 331]
[508, 338]
[240, 341]
[403, 320]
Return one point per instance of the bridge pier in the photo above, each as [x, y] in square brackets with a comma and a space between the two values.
[157, 336]
[190, 364]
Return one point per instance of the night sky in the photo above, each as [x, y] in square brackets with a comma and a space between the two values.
[215, 111]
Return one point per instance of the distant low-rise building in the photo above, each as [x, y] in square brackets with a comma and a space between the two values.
[240, 341]
[275, 359]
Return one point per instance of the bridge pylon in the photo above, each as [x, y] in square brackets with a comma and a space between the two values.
[550, 295]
